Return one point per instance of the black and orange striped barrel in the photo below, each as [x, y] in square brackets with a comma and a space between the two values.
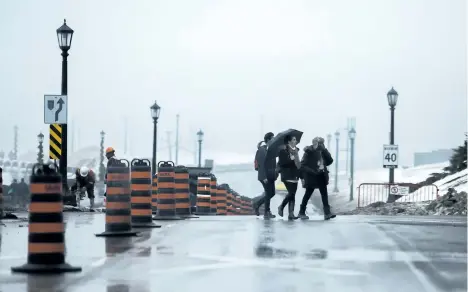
[243, 206]
[46, 240]
[235, 203]
[182, 191]
[166, 192]
[141, 186]
[118, 201]
[154, 194]
[203, 194]
[221, 200]
[229, 202]
[213, 194]
[1, 194]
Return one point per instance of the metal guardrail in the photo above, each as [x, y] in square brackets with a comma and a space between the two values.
[369, 193]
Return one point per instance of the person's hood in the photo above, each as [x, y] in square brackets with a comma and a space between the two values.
[260, 144]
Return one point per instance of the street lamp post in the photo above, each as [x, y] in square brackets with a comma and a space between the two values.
[64, 37]
[329, 137]
[155, 111]
[200, 135]
[392, 97]
[352, 136]
[102, 168]
[40, 153]
[337, 137]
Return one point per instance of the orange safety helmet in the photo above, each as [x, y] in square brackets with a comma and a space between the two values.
[109, 150]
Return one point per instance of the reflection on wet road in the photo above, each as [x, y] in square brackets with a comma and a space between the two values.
[352, 253]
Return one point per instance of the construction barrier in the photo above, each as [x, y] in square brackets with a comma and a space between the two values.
[221, 200]
[229, 202]
[1, 194]
[182, 192]
[245, 209]
[203, 194]
[118, 201]
[46, 239]
[166, 192]
[141, 186]
[213, 194]
[154, 194]
[369, 193]
[236, 204]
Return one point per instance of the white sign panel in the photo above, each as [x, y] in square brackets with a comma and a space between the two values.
[55, 109]
[399, 190]
[390, 156]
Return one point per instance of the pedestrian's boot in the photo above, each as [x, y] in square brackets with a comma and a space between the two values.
[281, 209]
[256, 207]
[91, 204]
[291, 212]
[268, 215]
[302, 215]
[328, 214]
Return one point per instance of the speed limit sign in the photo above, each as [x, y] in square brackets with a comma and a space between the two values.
[390, 156]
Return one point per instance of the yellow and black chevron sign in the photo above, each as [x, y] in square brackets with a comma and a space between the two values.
[55, 141]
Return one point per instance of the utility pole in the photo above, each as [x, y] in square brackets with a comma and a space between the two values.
[125, 135]
[169, 146]
[15, 142]
[261, 126]
[177, 141]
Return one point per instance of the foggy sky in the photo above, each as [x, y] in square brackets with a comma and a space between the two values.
[223, 65]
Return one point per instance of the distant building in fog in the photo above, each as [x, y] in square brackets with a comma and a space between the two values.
[436, 156]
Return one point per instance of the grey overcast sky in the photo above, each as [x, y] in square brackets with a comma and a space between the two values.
[223, 64]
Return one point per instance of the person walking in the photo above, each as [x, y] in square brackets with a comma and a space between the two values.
[267, 175]
[314, 164]
[290, 166]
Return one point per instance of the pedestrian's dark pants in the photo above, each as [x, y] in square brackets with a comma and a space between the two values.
[308, 193]
[90, 191]
[290, 198]
[269, 188]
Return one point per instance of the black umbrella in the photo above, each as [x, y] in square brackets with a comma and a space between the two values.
[275, 144]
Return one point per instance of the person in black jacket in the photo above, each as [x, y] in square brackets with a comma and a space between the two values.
[290, 165]
[266, 168]
[315, 173]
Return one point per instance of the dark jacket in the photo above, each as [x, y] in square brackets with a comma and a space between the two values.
[287, 166]
[86, 181]
[266, 165]
[309, 166]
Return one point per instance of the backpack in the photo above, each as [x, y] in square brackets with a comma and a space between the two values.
[256, 155]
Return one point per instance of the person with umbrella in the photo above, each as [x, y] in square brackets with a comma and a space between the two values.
[266, 167]
[314, 165]
[290, 169]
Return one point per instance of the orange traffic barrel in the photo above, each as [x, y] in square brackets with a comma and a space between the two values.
[221, 200]
[182, 192]
[203, 194]
[229, 202]
[46, 239]
[118, 207]
[141, 185]
[236, 203]
[166, 192]
[1, 194]
[154, 194]
[213, 194]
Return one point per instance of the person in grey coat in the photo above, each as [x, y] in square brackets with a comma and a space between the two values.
[267, 176]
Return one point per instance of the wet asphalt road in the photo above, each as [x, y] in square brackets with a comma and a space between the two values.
[350, 253]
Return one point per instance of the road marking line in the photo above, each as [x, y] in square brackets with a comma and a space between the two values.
[98, 263]
[422, 278]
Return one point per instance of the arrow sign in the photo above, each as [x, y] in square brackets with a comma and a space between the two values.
[55, 109]
[60, 103]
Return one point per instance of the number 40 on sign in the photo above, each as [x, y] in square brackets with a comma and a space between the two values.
[390, 156]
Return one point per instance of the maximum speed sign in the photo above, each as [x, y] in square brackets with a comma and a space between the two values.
[390, 156]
